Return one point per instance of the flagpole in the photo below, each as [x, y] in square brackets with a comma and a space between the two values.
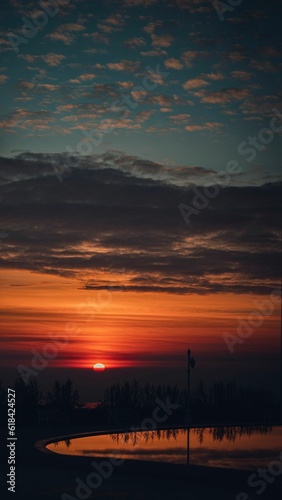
[281, 374]
[188, 446]
[188, 410]
[188, 379]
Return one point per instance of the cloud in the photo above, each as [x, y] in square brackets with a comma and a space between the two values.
[180, 118]
[23, 119]
[189, 56]
[51, 59]
[135, 3]
[264, 66]
[204, 126]
[3, 78]
[119, 211]
[66, 38]
[223, 96]
[125, 85]
[195, 83]
[241, 75]
[259, 105]
[161, 100]
[106, 28]
[134, 43]
[162, 40]
[124, 123]
[268, 51]
[193, 6]
[139, 95]
[153, 53]
[87, 76]
[124, 65]
[105, 89]
[66, 33]
[152, 26]
[235, 56]
[116, 19]
[5, 45]
[173, 64]
[214, 76]
[143, 116]
[72, 27]
[97, 37]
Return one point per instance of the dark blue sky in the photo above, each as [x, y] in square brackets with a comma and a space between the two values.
[84, 73]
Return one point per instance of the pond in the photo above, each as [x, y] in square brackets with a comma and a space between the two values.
[238, 447]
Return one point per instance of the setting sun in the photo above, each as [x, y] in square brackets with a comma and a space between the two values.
[99, 367]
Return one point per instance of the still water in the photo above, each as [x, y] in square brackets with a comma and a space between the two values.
[232, 447]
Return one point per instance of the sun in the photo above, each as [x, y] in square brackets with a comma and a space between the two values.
[99, 367]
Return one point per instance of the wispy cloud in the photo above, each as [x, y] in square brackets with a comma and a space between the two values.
[204, 126]
[124, 65]
[162, 40]
[195, 83]
[173, 63]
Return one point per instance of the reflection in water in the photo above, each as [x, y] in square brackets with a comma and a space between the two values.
[144, 436]
[67, 443]
[217, 434]
[246, 447]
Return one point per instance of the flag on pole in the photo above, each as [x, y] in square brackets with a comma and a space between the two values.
[192, 362]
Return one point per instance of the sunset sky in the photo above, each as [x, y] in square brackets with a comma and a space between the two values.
[116, 118]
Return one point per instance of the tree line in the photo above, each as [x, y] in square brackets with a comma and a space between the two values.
[220, 402]
[63, 396]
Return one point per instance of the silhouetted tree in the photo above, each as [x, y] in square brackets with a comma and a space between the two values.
[134, 395]
[63, 396]
[28, 398]
[230, 402]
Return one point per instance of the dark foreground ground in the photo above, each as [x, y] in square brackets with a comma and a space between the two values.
[48, 476]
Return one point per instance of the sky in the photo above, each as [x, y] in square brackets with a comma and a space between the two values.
[140, 188]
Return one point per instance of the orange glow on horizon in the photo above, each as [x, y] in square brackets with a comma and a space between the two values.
[129, 329]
